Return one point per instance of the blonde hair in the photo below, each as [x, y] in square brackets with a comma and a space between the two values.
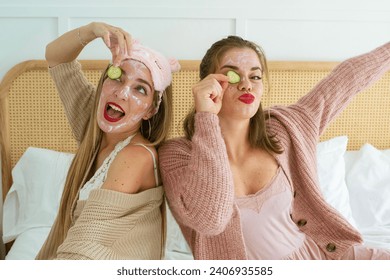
[85, 155]
[258, 134]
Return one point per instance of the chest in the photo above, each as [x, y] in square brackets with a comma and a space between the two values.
[98, 161]
[253, 173]
[100, 158]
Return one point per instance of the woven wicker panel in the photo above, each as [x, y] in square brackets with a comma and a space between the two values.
[37, 118]
[365, 120]
[182, 99]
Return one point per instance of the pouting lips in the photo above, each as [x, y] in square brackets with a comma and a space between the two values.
[247, 98]
[113, 112]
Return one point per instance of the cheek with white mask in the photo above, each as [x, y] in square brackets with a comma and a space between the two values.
[129, 103]
[140, 108]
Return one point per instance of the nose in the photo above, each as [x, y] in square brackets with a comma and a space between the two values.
[245, 85]
[123, 92]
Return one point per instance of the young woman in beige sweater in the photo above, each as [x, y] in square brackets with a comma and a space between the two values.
[112, 200]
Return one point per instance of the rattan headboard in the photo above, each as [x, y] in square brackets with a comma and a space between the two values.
[31, 113]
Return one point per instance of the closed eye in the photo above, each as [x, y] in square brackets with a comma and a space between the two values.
[256, 77]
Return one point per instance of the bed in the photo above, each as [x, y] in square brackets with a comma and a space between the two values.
[37, 147]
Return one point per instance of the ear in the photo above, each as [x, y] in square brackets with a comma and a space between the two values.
[149, 114]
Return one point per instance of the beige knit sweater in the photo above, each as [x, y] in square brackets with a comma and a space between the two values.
[109, 224]
[199, 183]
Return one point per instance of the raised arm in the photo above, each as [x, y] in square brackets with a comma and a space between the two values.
[197, 178]
[196, 174]
[76, 92]
[331, 95]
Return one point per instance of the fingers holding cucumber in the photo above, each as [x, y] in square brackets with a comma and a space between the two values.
[114, 72]
[234, 78]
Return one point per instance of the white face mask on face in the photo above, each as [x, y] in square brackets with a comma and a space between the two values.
[125, 102]
[242, 99]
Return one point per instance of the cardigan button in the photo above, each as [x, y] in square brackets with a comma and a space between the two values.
[301, 222]
[295, 194]
[331, 247]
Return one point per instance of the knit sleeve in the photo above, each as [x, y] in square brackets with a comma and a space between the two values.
[76, 94]
[331, 95]
[197, 177]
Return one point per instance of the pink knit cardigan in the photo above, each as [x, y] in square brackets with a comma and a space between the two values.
[199, 183]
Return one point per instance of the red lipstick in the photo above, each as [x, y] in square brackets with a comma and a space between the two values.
[118, 112]
[247, 98]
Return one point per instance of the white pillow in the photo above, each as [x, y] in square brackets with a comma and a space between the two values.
[33, 200]
[2, 247]
[28, 244]
[368, 181]
[331, 175]
[176, 245]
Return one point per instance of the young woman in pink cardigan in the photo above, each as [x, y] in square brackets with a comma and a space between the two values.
[243, 182]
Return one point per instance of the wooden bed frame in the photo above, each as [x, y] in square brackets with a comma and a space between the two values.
[31, 113]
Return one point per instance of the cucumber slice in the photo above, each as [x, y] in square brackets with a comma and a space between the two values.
[234, 78]
[114, 72]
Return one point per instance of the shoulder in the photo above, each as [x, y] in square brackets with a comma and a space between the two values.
[174, 153]
[174, 145]
[138, 151]
[135, 157]
[132, 170]
[290, 116]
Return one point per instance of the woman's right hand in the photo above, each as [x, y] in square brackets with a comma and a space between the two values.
[208, 93]
[68, 46]
[115, 38]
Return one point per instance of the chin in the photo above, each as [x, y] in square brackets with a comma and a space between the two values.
[106, 128]
[245, 115]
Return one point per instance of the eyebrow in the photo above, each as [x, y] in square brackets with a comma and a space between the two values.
[145, 82]
[236, 68]
[140, 80]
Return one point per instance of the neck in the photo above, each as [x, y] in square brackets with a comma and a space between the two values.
[235, 134]
[111, 139]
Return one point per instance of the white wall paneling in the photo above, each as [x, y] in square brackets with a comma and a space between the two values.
[321, 40]
[288, 30]
[183, 38]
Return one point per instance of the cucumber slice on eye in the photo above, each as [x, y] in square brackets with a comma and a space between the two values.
[114, 72]
[234, 78]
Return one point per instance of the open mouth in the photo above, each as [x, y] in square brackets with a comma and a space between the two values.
[113, 112]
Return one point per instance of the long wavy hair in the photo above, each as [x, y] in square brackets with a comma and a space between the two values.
[155, 130]
[258, 135]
